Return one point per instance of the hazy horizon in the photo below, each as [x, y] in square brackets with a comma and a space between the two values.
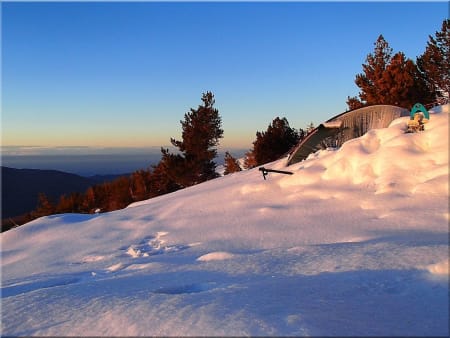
[90, 161]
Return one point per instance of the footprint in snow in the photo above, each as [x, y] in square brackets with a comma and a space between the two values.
[148, 246]
[152, 245]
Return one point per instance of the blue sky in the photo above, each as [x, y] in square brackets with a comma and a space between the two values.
[121, 74]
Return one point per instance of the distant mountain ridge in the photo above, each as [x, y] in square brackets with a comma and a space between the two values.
[21, 187]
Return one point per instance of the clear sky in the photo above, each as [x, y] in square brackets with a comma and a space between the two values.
[122, 74]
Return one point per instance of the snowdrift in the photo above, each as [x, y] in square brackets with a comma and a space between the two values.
[355, 242]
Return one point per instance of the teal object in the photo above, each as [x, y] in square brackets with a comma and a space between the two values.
[418, 107]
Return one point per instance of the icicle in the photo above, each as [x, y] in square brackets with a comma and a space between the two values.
[354, 123]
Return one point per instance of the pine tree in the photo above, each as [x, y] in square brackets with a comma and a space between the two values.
[250, 160]
[354, 103]
[44, 207]
[373, 70]
[170, 174]
[402, 84]
[64, 205]
[200, 137]
[119, 194]
[276, 141]
[231, 164]
[389, 79]
[434, 64]
[102, 194]
[160, 182]
[139, 185]
[89, 201]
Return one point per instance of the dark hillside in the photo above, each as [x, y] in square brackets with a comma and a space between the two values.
[20, 188]
[99, 179]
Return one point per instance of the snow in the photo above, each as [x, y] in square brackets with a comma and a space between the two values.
[332, 124]
[215, 256]
[354, 243]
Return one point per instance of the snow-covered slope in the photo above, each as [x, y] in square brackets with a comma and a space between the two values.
[354, 243]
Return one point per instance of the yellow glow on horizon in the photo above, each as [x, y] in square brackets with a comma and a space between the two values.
[87, 139]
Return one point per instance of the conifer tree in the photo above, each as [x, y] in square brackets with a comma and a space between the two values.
[373, 70]
[434, 64]
[119, 194]
[389, 79]
[277, 140]
[354, 103]
[89, 200]
[44, 206]
[402, 84]
[200, 137]
[139, 182]
[250, 160]
[169, 174]
[102, 195]
[231, 164]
